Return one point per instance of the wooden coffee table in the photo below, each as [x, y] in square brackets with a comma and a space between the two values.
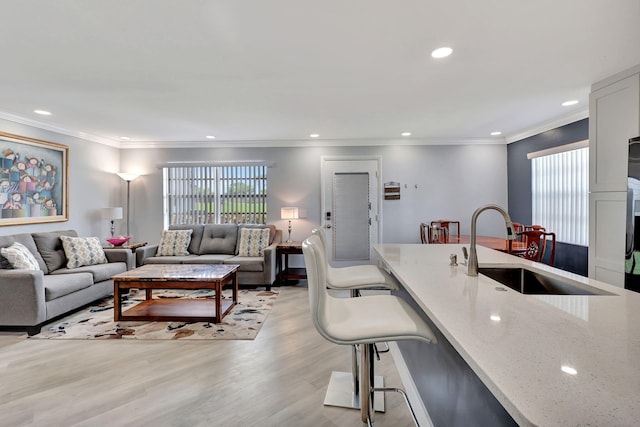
[176, 276]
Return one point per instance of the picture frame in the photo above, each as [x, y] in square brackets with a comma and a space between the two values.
[34, 184]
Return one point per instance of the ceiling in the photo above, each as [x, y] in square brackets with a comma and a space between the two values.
[273, 72]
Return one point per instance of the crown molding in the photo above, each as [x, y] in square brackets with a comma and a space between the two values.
[552, 124]
[309, 143]
[616, 77]
[355, 142]
[63, 131]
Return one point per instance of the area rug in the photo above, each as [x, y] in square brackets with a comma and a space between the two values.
[96, 322]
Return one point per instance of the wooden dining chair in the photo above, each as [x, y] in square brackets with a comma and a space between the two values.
[428, 235]
[534, 227]
[446, 225]
[536, 241]
[518, 228]
[424, 233]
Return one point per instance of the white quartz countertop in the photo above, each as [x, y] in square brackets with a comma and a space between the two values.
[518, 344]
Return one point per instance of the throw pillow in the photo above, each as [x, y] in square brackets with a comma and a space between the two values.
[50, 247]
[174, 243]
[83, 251]
[20, 257]
[253, 241]
[272, 233]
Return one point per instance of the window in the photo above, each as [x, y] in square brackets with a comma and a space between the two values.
[215, 194]
[560, 192]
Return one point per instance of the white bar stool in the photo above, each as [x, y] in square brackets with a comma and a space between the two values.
[365, 321]
[356, 277]
[344, 387]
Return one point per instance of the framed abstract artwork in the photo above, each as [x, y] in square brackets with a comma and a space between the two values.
[33, 180]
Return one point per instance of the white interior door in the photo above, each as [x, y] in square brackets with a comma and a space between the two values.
[350, 203]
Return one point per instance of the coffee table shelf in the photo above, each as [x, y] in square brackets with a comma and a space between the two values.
[187, 310]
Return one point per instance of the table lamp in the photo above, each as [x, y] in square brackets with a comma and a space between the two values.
[111, 214]
[289, 213]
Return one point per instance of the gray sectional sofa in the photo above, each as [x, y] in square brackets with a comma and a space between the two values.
[219, 244]
[30, 298]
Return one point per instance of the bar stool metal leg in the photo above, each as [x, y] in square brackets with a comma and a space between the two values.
[354, 356]
[366, 385]
[354, 370]
[369, 392]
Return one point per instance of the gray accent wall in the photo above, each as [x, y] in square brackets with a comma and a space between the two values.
[451, 392]
[568, 257]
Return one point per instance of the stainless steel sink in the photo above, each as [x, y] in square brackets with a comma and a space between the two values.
[534, 283]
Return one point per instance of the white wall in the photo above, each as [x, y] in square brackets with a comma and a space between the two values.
[452, 181]
[92, 182]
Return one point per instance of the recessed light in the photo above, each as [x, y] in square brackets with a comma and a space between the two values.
[42, 112]
[125, 138]
[314, 135]
[569, 370]
[569, 103]
[406, 133]
[495, 317]
[442, 52]
[211, 137]
[496, 133]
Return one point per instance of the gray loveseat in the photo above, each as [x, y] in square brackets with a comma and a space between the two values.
[29, 298]
[218, 244]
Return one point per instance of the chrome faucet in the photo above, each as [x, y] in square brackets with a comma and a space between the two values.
[472, 269]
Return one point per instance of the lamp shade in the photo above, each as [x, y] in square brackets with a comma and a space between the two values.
[289, 213]
[112, 213]
[127, 176]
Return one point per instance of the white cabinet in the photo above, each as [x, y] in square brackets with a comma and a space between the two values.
[614, 118]
[607, 216]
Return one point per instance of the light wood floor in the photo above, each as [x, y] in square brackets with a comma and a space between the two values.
[278, 379]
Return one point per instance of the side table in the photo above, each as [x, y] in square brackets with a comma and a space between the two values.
[132, 247]
[286, 273]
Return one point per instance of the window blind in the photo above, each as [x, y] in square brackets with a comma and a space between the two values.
[560, 194]
[215, 194]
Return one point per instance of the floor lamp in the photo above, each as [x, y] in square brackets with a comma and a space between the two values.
[128, 177]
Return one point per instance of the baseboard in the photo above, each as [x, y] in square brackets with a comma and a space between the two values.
[410, 387]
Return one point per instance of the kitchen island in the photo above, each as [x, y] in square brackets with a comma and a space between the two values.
[547, 360]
